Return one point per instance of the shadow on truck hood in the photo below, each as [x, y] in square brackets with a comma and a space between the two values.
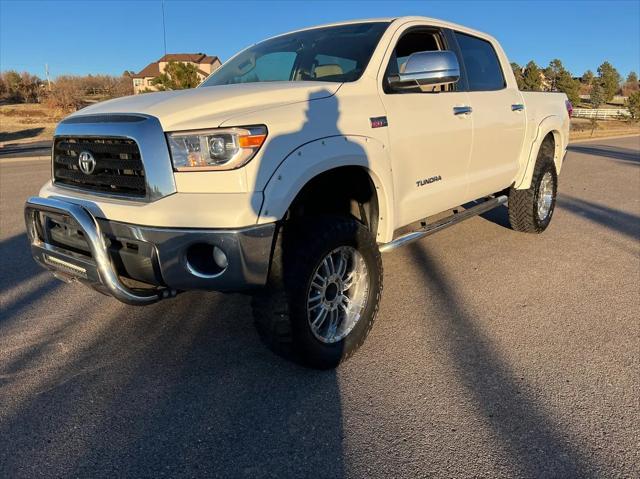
[208, 107]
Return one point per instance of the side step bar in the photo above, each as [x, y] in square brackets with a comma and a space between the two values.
[443, 223]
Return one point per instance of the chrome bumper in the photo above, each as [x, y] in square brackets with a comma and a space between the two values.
[158, 257]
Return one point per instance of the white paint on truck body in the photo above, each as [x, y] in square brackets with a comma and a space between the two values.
[316, 126]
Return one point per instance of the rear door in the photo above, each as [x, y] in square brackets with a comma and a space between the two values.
[429, 144]
[498, 117]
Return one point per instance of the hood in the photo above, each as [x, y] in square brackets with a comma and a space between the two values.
[208, 107]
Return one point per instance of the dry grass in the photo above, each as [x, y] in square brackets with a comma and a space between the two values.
[582, 128]
[24, 123]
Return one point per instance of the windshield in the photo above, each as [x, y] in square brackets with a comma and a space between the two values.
[335, 54]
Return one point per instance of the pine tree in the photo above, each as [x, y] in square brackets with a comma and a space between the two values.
[517, 72]
[633, 104]
[560, 79]
[609, 80]
[597, 99]
[553, 72]
[587, 77]
[597, 94]
[531, 80]
[565, 83]
[177, 76]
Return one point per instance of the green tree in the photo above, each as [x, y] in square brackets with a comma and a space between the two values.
[560, 79]
[597, 94]
[633, 104]
[587, 77]
[565, 83]
[552, 73]
[517, 72]
[177, 76]
[609, 80]
[597, 99]
[12, 84]
[531, 80]
[631, 84]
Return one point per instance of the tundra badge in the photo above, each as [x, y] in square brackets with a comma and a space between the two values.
[427, 181]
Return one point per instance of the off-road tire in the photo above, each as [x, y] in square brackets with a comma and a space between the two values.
[523, 215]
[280, 309]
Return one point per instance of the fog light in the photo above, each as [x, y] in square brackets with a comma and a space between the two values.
[205, 260]
[220, 258]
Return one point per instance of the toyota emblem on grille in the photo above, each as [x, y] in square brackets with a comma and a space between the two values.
[86, 162]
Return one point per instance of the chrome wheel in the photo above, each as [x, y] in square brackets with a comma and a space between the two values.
[337, 294]
[545, 196]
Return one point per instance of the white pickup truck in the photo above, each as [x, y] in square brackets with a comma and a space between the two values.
[292, 167]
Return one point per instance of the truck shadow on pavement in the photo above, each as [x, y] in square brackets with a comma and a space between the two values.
[616, 220]
[21, 273]
[627, 224]
[524, 429]
[499, 216]
[21, 134]
[612, 152]
[183, 387]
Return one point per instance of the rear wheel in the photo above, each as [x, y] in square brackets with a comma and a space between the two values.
[531, 210]
[323, 293]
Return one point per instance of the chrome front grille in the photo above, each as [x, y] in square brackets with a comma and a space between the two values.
[105, 165]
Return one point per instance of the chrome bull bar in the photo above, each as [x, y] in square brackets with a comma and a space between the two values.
[98, 270]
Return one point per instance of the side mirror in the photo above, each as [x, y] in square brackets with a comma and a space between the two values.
[427, 69]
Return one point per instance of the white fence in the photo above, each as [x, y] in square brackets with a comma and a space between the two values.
[601, 113]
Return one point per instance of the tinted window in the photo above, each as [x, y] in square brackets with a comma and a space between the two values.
[481, 63]
[325, 66]
[338, 54]
[268, 67]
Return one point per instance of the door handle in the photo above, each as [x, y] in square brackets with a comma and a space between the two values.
[462, 110]
[517, 107]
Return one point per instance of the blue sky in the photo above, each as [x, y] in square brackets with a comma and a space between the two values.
[81, 37]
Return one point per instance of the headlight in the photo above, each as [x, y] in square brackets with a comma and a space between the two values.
[218, 149]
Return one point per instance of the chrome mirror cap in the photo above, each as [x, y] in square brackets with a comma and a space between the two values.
[427, 68]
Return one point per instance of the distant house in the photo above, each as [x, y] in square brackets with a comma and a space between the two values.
[206, 64]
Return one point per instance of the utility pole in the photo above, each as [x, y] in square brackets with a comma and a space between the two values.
[46, 73]
[164, 31]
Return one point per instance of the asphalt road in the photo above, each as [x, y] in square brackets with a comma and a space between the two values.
[24, 150]
[495, 354]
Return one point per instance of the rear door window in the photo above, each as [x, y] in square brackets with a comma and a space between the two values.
[483, 68]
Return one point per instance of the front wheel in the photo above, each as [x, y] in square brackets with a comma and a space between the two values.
[323, 293]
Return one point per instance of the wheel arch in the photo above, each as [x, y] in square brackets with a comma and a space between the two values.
[550, 129]
[361, 157]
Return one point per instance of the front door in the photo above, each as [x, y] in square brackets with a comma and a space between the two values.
[430, 141]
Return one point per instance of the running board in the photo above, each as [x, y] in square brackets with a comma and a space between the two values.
[443, 223]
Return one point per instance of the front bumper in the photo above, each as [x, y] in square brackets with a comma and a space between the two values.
[141, 264]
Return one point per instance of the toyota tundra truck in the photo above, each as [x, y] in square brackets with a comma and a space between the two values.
[291, 168]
